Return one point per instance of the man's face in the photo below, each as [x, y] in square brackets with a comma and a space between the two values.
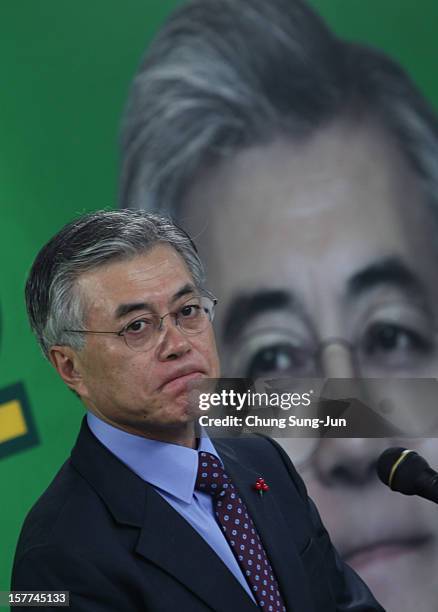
[325, 239]
[142, 392]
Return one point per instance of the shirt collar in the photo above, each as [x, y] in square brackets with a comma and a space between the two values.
[169, 467]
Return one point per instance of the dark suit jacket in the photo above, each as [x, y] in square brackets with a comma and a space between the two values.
[103, 534]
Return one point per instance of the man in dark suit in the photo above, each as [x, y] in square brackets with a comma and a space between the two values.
[145, 515]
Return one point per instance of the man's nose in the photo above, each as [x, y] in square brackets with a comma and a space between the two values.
[337, 359]
[348, 462]
[173, 343]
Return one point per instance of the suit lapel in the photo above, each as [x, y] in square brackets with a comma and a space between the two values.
[178, 549]
[166, 539]
[275, 532]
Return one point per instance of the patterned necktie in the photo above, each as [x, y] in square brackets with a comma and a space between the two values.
[240, 532]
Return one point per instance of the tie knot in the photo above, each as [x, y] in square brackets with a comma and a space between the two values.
[211, 477]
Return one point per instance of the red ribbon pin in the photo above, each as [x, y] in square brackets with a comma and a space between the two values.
[261, 486]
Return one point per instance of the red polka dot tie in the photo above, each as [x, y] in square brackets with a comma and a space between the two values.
[237, 526]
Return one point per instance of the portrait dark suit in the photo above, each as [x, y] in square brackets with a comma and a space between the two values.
[110, 539]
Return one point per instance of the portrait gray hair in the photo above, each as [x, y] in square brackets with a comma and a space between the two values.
[53, 301]
[222, 75]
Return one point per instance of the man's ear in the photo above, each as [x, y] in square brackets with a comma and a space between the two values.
[68, 365]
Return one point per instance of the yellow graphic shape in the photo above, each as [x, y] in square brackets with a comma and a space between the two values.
[12, 422]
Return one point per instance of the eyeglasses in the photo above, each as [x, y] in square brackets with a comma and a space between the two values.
[386, 350]
[381, 354]
[140, 334]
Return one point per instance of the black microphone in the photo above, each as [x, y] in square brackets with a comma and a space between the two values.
[406, 471]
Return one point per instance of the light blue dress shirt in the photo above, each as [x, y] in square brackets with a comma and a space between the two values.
[172, 469]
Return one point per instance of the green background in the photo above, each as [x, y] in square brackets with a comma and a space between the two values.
[66, 67]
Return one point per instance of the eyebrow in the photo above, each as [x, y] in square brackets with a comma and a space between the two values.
[123, 309]
[388, 271]
[248, 305]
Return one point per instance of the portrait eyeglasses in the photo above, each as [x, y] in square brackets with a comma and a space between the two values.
[384, 351]
[387, 352]
[141, 333]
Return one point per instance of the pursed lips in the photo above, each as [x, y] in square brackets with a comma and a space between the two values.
[181, 376]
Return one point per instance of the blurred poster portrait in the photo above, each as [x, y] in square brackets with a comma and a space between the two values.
[305, 167]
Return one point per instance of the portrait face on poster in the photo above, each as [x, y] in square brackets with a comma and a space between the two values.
[325, 244]
[305, 174]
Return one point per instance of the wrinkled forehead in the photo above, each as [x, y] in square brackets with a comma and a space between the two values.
[153, 277]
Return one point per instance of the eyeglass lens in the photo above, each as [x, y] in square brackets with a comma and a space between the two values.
[191, 318]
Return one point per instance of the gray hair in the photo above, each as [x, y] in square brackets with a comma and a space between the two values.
[222, 75]
[53, 302]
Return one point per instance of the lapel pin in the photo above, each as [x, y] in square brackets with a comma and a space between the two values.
[261, 486]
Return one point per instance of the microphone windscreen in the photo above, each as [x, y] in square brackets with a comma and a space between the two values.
[386, 462]
[403, 470]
